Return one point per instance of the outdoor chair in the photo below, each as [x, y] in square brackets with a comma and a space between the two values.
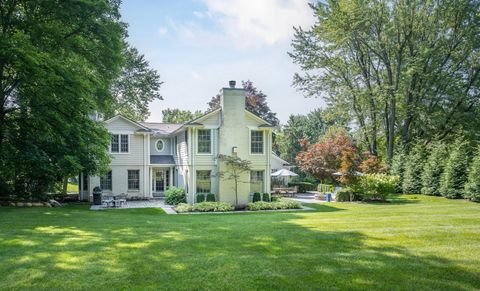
[107, 200]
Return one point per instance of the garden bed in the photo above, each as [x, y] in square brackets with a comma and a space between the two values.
[222, 207]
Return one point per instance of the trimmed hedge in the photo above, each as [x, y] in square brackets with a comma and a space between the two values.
[174, 196]
[266, 197]
[280, 204]
[200, 198]
[210, 197]
[303, 186]
[205, 207]
[256, 197]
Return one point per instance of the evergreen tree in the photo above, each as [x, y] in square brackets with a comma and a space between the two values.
[412, 182]
[454, 178]
[433, 169]
[397, 168]
[472, 187]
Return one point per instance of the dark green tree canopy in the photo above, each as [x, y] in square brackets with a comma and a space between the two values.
[179, 116]
[256, 102]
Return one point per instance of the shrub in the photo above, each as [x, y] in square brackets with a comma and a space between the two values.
[256, 197]
[345, 194]
[432, 171]
[200, 198]
[274, 199]
[266, 197]
[280, 204]
[325, 188]
[375, 186]
[174, 196]
[397, 168]
[412, 181]
[472, 187]
[205, 207]
[211, 197]
[182, 207]
[303, 186]
[453, 178]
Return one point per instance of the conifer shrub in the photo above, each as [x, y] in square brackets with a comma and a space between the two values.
[200, 198]
[397, 167]
[472, 186]
[454, 176]
[412, 175]
[266, 197]
[256, 197]
[210, 197]
[433, 170]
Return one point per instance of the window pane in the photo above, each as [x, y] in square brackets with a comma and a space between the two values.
[256, 181]
[106, 181]
[203, 182]
[256, 142]
[124, 143]
[114, 144]
[133, 179]
[204, 141]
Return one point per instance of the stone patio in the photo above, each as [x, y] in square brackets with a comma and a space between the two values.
[153, 203]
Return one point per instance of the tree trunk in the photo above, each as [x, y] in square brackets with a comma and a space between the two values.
[391, 129]
[65, 186]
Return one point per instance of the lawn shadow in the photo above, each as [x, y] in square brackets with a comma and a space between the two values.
[141, 250]
[323, 207]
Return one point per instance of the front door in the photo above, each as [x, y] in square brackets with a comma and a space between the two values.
[160, 181]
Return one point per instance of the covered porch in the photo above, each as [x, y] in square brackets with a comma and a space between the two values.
[161, 172]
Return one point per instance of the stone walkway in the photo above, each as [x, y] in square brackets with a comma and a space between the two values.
[154, 203]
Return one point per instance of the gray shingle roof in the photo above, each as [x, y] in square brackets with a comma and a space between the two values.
[162, 160]
[162, 128]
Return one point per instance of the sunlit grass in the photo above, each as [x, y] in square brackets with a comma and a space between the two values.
[411, 242]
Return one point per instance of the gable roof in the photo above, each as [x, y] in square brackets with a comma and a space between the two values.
[119, 116]
[162, 128]
[197, 120]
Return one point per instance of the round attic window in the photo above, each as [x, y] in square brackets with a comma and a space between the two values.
[159, 145]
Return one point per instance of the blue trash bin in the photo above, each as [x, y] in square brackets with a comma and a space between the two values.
[328, 196]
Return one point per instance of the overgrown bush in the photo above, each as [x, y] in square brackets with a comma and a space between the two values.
[280, 204]
[375, 186]
[433, 169]
[200, 198]
[472, 186]
[174, 196]
[303, 186]
[345, 194]
[256, 197]
[211, 197]
[205, 207]
[454, 176]
[266, 197]
[412, 176]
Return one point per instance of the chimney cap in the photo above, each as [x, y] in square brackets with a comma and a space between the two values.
[232, 83]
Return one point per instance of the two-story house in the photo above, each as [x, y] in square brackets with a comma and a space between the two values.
[148, 157]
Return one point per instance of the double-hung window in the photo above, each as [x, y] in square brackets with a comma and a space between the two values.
[133, 179]
[204, 183]
[106, 181]
[256, 142]
[256, 181]
[119, 143]
[204, 141]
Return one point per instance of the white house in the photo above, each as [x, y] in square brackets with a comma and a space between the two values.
[149, 157]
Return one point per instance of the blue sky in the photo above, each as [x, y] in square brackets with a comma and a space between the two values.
[197, 46]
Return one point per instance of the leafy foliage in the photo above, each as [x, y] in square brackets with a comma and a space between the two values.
[345, 194]
[433, 169]
[205, 207]
[174, 196]
[266, 197]
[179, 116]
[412, 177]
[375, 186]
[280, 204]
[303, 187]
[472, 186]
[453, 178]
[372, 164]
[256, 197]
[135, 87]
[235, 167]
[210, 197]
[200, 198]
[256, 102]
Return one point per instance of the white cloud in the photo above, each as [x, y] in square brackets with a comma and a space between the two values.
[162, 31]
[251, 22]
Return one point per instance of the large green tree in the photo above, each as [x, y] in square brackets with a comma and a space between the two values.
[179, 116]
[58, 60]
[256, 102]
[136, 86]
[403, 70]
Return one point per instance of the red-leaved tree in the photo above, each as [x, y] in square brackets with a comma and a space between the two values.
[335, 153]
[372, 164]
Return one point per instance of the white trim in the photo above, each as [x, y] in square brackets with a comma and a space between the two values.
[257, 117]
[250, 142]
[156, 145]
[204, 116]
[119, 145]
[126, 119]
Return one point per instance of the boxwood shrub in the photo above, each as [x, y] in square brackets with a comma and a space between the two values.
[211, 197]
[280, 204]
[266, 197]
[200, 198]
[174, 196]
[256, 197]
[205, 207]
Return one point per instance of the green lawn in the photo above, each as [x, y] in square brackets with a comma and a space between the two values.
[413, 242]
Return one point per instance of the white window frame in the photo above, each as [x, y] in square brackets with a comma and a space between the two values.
[211, 142]
[196, 181]
[111, 181]
[119, 134]
[250, 142]
[163, 145]
[139, 181]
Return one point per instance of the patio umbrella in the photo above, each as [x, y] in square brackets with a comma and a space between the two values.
[285, 174]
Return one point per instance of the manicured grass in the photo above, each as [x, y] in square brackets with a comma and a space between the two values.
[411, 243]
